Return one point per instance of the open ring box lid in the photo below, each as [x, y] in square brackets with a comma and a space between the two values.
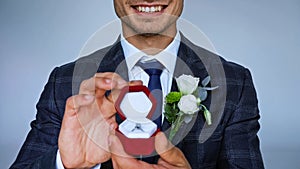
[136, 105]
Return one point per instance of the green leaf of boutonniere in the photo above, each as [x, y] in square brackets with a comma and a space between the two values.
[171, 112]
[205, 81]
[173, 97]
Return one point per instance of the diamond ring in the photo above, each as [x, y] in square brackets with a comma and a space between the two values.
[138, 126]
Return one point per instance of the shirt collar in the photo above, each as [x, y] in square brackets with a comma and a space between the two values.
[167, 57]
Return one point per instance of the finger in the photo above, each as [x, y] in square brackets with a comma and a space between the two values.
[75, 102]
[162, 144]
[73, 105]
[135, 83]
[113, 96]
[117, 81]
[90, 85]
[112, 123]
[100, 81]
[98, 85]
[163, 163]
[168, 152]
[106, 107]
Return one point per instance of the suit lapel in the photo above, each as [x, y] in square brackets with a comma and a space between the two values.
[188, 62]
[114, 61]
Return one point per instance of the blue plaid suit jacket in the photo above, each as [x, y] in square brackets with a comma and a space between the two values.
[231, 142]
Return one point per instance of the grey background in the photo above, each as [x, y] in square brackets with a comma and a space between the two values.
[36, 36]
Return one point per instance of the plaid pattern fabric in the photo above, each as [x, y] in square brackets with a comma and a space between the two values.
[233, 144]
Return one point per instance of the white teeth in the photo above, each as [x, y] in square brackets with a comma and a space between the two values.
[152, 9]
[148, 9]
[159, 8]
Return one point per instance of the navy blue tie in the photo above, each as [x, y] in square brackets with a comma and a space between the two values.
[154, 70]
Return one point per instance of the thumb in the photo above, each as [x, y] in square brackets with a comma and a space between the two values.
[168, 152]
[120, 158]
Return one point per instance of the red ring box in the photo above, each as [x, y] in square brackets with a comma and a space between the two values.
[136, 104]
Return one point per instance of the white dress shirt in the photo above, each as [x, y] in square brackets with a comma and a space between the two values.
[167, 58]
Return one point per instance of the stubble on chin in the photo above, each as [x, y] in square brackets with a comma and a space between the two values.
[133, 25]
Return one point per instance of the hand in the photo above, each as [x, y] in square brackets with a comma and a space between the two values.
[88, 120]
[170, 156]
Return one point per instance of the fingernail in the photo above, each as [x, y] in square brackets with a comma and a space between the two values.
[107, 80]
[112, 127]
[88, 97]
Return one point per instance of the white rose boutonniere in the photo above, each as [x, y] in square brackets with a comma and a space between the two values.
[188, 104]
[187, 84]
[181, 106]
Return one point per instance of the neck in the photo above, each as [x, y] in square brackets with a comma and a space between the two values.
[151, 44]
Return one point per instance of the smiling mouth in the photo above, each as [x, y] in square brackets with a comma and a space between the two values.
[150, 9]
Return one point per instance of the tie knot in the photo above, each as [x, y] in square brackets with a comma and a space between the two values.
[152, 72]
[152, 68]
